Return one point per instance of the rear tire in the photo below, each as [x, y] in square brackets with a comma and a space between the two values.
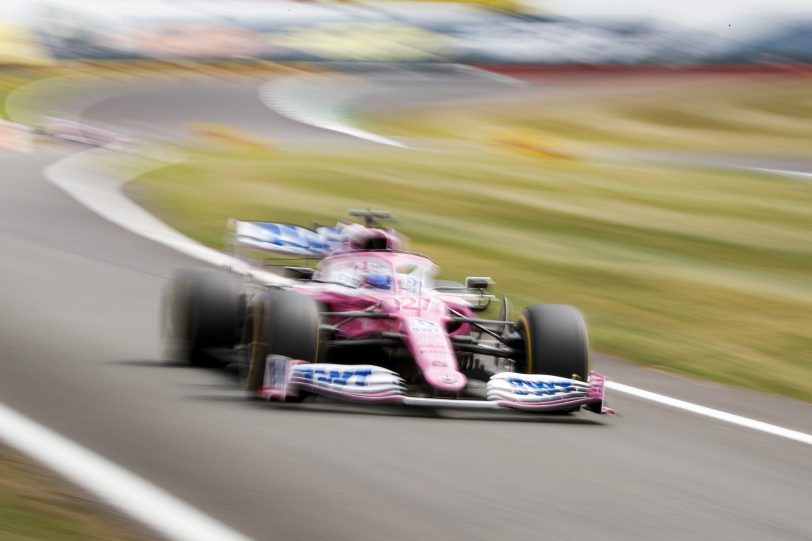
[281, 323]
[204, 311]
[555, 340]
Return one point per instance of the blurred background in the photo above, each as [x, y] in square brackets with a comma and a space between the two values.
[647, 161]
[546, 32]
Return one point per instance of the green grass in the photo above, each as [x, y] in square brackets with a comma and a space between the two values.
[700, 272]
[11, 80]
[34, 507]
[767, 114]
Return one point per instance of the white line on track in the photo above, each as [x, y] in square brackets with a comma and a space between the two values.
[316, 101]
[321, 111]
[710, 412]
[79, 176]
[797, 175]
[132, 495]
[118, 487]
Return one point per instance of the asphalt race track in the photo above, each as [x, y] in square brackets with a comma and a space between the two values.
[80, 353]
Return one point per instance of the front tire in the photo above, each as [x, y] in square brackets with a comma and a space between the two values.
[555, 341]
[204, 309]
[280, 323]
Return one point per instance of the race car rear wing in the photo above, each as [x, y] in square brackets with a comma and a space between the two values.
[286, 239]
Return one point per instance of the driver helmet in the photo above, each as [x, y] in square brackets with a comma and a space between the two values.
[379, 281]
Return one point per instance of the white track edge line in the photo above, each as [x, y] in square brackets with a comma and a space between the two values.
[713, 413]
[130, 494]
[113, 484]
[278, 103]
[797, 175]
[73, 175]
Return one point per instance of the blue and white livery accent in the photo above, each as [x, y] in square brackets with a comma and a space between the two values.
[534, 388]
[286, 378]
[355, 379]
[287, 239]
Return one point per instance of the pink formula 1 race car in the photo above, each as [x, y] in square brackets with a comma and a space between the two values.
[369, 323]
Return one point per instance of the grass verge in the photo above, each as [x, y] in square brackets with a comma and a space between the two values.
[768, 114]
[35, 507]
[700, 272]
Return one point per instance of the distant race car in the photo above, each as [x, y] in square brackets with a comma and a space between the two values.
[371, 324]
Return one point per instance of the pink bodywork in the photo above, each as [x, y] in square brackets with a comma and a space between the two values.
[420, 314]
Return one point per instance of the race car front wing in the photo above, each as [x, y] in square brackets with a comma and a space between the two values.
[285, 378]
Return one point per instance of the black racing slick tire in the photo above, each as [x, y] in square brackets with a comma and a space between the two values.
[280, 323]
[555, 341]
[205, 308]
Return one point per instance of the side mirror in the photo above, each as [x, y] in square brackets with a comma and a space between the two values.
[478, 282]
